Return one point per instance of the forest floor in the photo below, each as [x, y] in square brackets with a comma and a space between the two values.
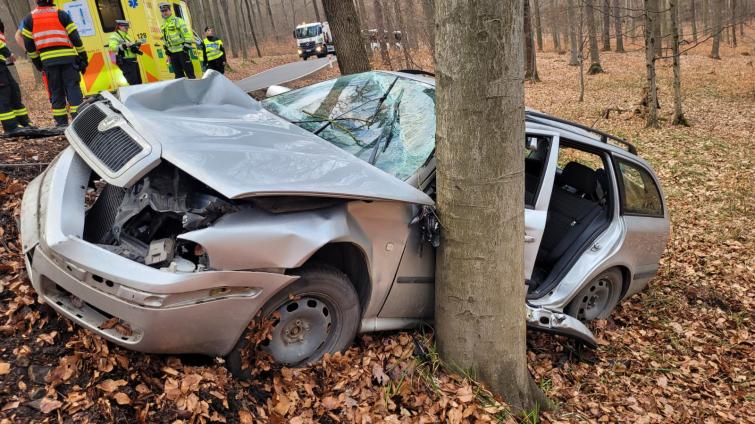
[680, 351]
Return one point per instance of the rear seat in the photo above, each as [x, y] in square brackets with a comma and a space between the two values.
[572, 215]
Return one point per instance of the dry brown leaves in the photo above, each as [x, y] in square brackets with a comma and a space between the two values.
[682, 351]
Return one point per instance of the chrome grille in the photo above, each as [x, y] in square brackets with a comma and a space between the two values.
[101, 216]
[114, 147]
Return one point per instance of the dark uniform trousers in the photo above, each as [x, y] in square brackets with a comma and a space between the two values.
[182, 65]
[130, 69]
[10, 101]
[63, 83]
[217, 65]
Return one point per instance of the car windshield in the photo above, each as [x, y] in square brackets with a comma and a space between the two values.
[381, 118]
[309, 31]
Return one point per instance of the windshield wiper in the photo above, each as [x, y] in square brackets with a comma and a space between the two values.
[389, 126]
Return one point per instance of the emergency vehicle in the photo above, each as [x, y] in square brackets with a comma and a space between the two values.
[314, 39]
[95, 20]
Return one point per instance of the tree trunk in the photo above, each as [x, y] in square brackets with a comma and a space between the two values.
[717, 28]
[272, 20]
[617, 24]
[571, 22]
[706, 17]
[651, 95]
[227, 29]
[679, 118]
[385, 56]
[404, 40]
[317, 11]
[538, 24]
[258, 20]
[553, 13]
[693, 18]
[250, 12]
[344, 24]
[606, 15]
[734, 23]
[657, 34]
[479, 291]
[530, 56]
[595, 67]
[428, 9]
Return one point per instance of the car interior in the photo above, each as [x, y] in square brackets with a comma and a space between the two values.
[579, 209]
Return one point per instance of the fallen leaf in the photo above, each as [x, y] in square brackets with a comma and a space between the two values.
[110, 386]
[48, 405]
[245, 417]
[122, 398]
[330, 403]
[10, 405]
[4, 368]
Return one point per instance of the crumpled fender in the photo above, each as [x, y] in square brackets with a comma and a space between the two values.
[550, 321]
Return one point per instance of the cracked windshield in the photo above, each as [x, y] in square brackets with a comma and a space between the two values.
[382, 119]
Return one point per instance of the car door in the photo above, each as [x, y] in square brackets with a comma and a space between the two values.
[538, 188]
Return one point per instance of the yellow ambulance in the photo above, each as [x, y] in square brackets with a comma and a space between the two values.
[95, 20]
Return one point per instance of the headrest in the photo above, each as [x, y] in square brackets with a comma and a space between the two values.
[580, 177]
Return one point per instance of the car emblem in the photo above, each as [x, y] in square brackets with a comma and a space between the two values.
[109, 123]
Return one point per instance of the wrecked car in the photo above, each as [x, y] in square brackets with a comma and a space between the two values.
[184, 208]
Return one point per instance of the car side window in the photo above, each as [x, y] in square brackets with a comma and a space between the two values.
[639, 193]
[535, 160]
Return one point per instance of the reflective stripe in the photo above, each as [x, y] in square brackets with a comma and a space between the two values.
[20, 112]
[50, 32]
[33, 55]
[80, 49]
[57, 53]
[6, 116]
[26, 33]
[59, 112]
[71, 27]
[73, 109]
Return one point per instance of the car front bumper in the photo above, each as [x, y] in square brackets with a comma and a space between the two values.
[167, 312]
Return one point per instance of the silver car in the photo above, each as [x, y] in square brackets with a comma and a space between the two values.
[184, 208]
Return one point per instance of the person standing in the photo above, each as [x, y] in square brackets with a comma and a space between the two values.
[126, 51]
[213, 51]
[178, 42]
[54, 46]
[13, 113]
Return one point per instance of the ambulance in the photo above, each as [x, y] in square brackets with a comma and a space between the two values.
[95, 20]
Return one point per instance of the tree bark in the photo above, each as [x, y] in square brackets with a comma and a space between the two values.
[595, 67]
[574, 46]
[693, 18]
[734, 23]
[385, 56]
[317, 11]
[717, 29]
[657, 33]
[651, 95]
[553, 13]
[428, 9]
[706, 17]
[272, 20]
[606, 15]
[618, 29]
[480, 119]
[679, 118]
[230, 36]
[538, 24]
[404, 40]
[250, 13]
[344, 24]
[530, 56]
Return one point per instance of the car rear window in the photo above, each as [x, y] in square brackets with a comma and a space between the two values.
[639, 193]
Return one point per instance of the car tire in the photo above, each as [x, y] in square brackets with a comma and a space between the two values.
[598, 298]
[320, 313]
[305, 57]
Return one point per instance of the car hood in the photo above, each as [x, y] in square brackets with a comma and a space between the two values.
[215, 132]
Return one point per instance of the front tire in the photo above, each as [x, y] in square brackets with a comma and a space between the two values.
[598, 298]
[319, 313]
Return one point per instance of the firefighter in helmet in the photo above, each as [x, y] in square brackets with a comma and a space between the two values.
[54, 46]
[178, 42]
[213, 51]
[13, 113]
[126, 52]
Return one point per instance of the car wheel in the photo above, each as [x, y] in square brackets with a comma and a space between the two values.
[305, 57]
[598, 298]
[319, 313]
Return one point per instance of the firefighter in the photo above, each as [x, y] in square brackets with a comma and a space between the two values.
[126, 51]
[178, 42]
[213, 51]
[13, 113]
[54, 46]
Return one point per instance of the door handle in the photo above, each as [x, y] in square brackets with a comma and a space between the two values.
[529, 239]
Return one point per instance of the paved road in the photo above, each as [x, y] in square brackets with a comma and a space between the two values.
[284, 73]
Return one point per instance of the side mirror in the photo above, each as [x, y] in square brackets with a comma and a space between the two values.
[274, 90]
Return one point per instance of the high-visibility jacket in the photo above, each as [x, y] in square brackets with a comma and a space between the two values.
[213, 48]
[176, 34]
[118, 44]
[51, 36]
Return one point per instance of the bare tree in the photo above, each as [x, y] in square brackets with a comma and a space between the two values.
[734, 23]
[606, 15]
[317, 11]
[404, 39]
[717, 29]
[272, 20]
[657, 33]
[250, 14]
[693, 18]
[538, 24]
[479, 323]
[385, 56]
[651, 95]
[679, 118]
[571, 23]
[553, 13]
[428, 9]
[344, 24]
[530, 56]
[706, 17]
[595, 67]
[617, 25]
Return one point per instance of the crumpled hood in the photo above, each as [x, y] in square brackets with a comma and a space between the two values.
[215, 132]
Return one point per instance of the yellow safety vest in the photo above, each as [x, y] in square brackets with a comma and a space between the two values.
[213, 48]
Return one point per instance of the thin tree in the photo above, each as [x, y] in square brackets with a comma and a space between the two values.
[385, 56]
[693, 19]
[657, 32]
[272, 20]
[344, 24]
[679, 118]
[538, 24]
[530, 56]
[606, 15]
[428, 9]
[617, 27]
[595, 67]
[250, 14]
[317, 11]
[734, 23]
[651, 96]
[555, 27]
[717, 29]
[705, 9]
[571, 23]
[479, 292]
[405, 45]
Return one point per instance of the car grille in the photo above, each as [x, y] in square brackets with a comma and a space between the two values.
[308, 45]
[114, 147]
[101, 216]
